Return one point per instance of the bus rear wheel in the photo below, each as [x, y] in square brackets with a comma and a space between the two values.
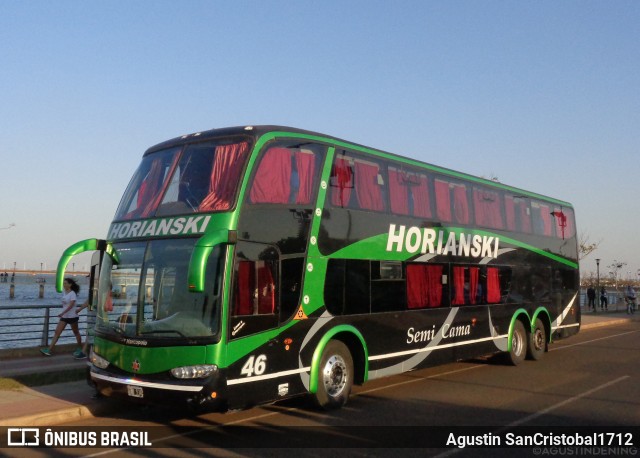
[335, 376]
[537, 341]
[518, 344]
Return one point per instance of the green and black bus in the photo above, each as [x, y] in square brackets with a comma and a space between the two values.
[251, 264]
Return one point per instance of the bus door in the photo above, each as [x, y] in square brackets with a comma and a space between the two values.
[266, 289]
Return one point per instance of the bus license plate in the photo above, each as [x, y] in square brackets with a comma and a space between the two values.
[135, 391]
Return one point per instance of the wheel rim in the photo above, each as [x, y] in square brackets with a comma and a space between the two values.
[538, 339]
[335, 375]
[516, 343]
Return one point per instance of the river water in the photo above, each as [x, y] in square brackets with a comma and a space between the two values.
[23, 327]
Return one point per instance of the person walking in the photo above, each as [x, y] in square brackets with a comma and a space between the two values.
[604, 302]
[591, 296]
[68, 316]
[91, 322]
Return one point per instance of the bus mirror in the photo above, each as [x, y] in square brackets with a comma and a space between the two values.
[76, 248]
[203, 248]
[112, 253]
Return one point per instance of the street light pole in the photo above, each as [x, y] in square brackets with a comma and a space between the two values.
[597, 276]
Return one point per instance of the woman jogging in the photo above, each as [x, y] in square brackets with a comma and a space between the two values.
[67, 316]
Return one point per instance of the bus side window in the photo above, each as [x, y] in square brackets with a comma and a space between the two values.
[498, 283]
[347, 287]
[563, 219]
[358, 184]
[467, 286]
[370, 192]
[341, 181]
[452, 202]
[517, 214]
[255, 288]
[409, 193]
[488, 208]
[542, 224]
[285, 175]
[425, 286]
[388, 290]
[443, 201]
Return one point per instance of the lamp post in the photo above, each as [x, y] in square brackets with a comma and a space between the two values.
[598, 274]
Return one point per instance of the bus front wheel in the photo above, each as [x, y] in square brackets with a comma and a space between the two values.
[335, 376]
[518, 344]
[537, 341]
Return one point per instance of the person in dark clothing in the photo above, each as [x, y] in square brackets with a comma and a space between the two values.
[604, 302]
[591, 296]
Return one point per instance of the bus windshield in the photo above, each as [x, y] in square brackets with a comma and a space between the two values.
[200, 177]
[146, 293]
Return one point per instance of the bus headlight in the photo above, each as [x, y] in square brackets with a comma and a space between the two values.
[188, 372]
[98, 360]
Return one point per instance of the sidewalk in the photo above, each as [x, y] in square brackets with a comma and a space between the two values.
[63, 402]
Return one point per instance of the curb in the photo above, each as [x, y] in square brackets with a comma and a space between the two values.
[51, 418]
[600, 324]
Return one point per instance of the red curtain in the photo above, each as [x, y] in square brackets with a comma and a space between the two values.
[487, 209]
[305, 163]
[434, 277]
[398, 192]
[458, 286]
[474, 274]
[272, 181]
[443, 200]
[342, 183]
[569, 230]
[461, 204]
[244, 289]
[424, 286]
[493, 285]
[150, 187]
[158, 180]
[510, 213]
[225, 176]
[417, 287]
[367, 188]
[266, 291]
[525, 217]
[400, 184]
[545, 216]
[420, 195]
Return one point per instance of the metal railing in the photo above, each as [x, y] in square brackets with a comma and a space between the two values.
[23, 326]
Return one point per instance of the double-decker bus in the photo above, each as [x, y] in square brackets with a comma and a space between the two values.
[251, 264]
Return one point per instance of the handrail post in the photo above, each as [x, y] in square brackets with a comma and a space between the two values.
[45, 329]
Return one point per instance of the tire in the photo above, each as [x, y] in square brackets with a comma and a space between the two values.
[518, 344]
[537, 341]
[335, 376]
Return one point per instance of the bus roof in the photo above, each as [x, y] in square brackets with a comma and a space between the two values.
[260, 130]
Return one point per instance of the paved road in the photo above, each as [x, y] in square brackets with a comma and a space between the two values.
[589, 380]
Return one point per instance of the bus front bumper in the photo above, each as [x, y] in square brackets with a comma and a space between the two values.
[205, 394]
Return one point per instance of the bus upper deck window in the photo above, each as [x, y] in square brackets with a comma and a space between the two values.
[358, 184]
[284, 175]
[409, 193]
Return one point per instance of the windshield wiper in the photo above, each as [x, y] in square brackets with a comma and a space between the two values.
[163, 331]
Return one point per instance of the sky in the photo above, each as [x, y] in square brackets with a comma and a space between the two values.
[542, 95]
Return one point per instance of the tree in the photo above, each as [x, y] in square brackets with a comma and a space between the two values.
[585, 246]
[615, 267]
